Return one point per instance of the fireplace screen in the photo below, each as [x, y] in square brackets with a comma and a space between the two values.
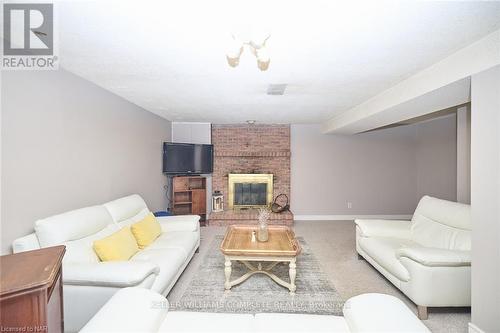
[250, 190]
[250, 194]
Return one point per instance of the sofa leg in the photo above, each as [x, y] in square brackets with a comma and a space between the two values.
[422, 312]
[360, 257]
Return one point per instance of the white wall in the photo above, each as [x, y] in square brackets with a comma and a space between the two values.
[485, 199]
[384, 172]
[436, 158]
[1, 159]
[463, 154]
[67, 143]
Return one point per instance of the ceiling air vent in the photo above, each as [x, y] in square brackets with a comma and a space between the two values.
[276, 89]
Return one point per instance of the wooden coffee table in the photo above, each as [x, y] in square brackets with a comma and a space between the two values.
[280, 247]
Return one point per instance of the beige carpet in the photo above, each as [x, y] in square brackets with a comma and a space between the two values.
[333, 243]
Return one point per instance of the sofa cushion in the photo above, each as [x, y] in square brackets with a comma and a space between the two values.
[380, 313]
[383, 251]
[442, 224]
[113, 274]
[288, 322]
[130, 310]
[146, 230]
[186, 241]
[383, 228]
[26, 243]
[168, 260]
[433, 257]
[72, 225]
[119, 246]
[127, 210]
[178, 321]
[179, 223]
[82, 250]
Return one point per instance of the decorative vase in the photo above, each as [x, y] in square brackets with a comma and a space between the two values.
[263, 232]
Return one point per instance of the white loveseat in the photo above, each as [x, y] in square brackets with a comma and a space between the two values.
[89, 283]
[427, 258]
[141, 310]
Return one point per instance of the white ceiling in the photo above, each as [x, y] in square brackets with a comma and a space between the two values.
[169, 56]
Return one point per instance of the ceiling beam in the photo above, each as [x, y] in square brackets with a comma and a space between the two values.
[442, 85]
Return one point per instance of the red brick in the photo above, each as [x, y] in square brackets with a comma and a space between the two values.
[248, 149]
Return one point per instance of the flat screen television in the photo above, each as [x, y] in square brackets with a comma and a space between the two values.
[187, 158]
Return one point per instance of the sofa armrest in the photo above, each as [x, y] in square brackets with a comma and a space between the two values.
[108, 274]
[130, 310]
[380, 313]
[179, 223]
[26, 243]
[384, 228]
[433, 257]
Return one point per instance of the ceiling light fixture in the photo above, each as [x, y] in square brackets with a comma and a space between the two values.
[259, 50]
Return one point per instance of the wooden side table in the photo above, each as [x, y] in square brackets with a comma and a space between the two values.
[31, 294]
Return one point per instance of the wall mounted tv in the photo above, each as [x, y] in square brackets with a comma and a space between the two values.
[187, 158]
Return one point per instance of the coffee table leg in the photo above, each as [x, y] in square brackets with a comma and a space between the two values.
[227, 271]
[293, 274]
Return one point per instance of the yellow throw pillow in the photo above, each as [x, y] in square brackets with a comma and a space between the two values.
[119, 246]
[146, 230]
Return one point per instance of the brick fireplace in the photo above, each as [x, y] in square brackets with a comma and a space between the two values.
[250, 150]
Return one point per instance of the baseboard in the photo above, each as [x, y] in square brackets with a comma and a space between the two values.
[348, 217]
[474, 329]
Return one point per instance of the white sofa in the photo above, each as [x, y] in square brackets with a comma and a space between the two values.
[427, 258]
[141, 310]
[89, 283]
